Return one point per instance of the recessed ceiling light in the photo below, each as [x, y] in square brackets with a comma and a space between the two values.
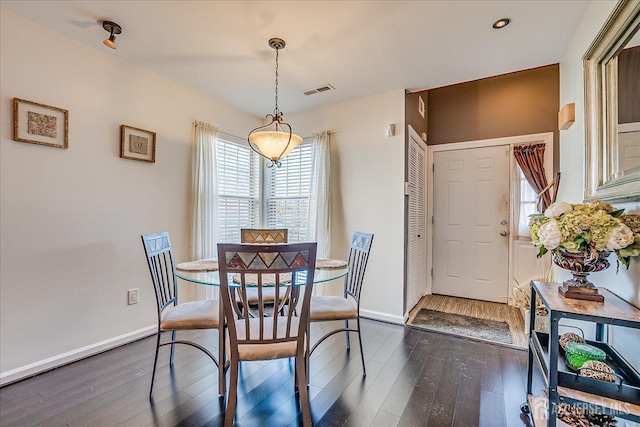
[501, 23]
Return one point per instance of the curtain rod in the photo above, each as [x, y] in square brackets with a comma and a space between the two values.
[309, 137]
[239, 137]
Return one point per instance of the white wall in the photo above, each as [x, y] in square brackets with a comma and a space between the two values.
[71, 219]
[626, 283]
[367, 183]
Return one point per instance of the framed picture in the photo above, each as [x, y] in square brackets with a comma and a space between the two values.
[137, 144]
[40, 124]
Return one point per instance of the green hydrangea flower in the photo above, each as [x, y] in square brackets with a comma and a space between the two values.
[592, 224]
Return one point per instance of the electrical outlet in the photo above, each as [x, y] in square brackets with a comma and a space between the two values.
[133, 296]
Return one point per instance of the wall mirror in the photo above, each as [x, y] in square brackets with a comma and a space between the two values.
[612, 107]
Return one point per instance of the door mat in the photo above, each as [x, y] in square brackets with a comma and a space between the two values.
[457, 324]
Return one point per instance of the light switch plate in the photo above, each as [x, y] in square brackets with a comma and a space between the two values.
[132, 295]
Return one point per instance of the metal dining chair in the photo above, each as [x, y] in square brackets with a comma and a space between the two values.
[346, 307]
[265, 331]
[172, 316]
[264, 235]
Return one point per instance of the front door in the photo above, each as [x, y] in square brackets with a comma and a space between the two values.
[471, 213]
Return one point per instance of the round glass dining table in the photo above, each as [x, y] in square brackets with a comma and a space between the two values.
[212, 278]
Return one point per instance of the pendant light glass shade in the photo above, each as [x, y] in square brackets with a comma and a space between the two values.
[274, 143]
[111, 42]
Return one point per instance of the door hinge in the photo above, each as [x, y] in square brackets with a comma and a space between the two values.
[433, 167]
[431, 271]
[431, 219]
[406, 188]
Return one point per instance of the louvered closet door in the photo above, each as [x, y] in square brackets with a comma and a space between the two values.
[470, 205]
[628, 147]
[417, 227]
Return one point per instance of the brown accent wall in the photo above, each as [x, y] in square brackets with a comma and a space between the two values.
[520, 103]
[412, 115]
[629, 85]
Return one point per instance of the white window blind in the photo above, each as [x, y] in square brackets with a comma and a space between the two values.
[528, 205]
[287, 191]
[238, 189]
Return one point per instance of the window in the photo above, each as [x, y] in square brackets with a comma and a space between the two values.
[284, 195]
[528, 204]
[238, 189]
[287, 191]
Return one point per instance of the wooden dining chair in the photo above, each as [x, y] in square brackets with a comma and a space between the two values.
[346, 307]
[172, 316]
[265, 331]
[264, 235]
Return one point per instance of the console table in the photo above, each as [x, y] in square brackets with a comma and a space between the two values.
[620, 399]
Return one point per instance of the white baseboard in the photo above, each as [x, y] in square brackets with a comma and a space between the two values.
[74, 355]
[384, 317]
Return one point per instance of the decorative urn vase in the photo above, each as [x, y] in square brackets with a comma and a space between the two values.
[572, 232]
[581, 264]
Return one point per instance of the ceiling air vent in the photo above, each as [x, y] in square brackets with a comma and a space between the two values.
[318, 89]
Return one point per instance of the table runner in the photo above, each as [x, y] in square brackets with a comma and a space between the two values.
[199, 265]
[323, 263]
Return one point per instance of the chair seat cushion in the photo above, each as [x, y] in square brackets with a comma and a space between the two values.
[267, 279]
[268, 294]
[191, 315]
[324, 308]
[268, 351]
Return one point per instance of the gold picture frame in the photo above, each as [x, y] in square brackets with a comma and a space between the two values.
[40, 124]
[137, 144]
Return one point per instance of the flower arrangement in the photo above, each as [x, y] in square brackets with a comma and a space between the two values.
[586, 226]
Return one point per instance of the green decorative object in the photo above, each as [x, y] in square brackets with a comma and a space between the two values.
[576, 354]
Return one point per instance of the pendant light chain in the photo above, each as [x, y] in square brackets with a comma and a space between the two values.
[274, 145]
[276, 111]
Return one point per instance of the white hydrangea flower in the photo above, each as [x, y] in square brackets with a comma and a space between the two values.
[557, 209]
[550, 235]
[621, 237]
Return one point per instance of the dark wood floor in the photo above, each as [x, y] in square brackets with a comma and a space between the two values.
[414, 378]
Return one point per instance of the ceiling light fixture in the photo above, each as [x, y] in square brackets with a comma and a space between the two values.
[501, 23]
[275, 144]
[112, 28]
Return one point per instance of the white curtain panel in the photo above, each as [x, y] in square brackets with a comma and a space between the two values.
[205, 196]
[319, 224]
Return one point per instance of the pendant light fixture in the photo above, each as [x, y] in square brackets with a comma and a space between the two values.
[274, 141]
[112, 28]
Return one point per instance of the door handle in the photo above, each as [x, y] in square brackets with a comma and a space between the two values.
[503, 233]
[503, 222]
